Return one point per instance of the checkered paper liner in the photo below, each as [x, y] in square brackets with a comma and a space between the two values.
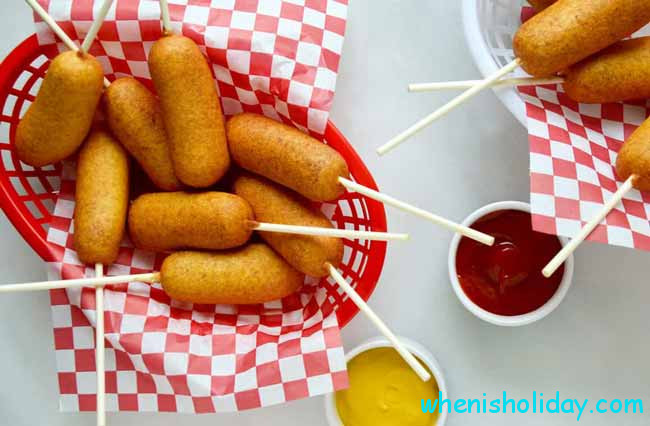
[274, 57]
[164, 355]
[573, 149]
[278, 58]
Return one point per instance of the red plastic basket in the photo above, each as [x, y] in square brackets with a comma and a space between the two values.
[28, 195]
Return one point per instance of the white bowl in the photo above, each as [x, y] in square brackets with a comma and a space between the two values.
[504, 320]
[380, 342]
[489, 27]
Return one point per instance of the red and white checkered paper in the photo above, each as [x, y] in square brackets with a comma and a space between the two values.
[279, 58]
[164, 355]
[274, 57]
[573, 149]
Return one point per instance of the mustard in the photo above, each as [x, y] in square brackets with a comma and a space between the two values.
[384, 391]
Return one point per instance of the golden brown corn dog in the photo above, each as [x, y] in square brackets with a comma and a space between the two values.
[275, 204]
[571, 30]
[102, 197]
[246, 275]
[286, 155]
[191, 110]
[180, 220]
[634, 157]
[539, 5]
[619, 73]
[134, 116]
[59, 119]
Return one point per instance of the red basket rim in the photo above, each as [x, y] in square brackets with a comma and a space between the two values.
[35, 235]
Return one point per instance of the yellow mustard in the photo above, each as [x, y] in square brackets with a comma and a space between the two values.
[384, 391]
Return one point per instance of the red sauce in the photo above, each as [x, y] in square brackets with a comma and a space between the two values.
[506, 278]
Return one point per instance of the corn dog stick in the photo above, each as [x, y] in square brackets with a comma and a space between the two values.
[164, 14]
[96, 25]
[327, 232]
[80, 282]
[363, 306]
[56, 29]
[566, 251]
[383, 198]
[467, 84]
[99, 349]
[471, 92]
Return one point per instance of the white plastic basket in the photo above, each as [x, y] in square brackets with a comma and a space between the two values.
[489, 27]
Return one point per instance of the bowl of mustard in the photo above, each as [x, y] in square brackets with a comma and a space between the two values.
[384, 391]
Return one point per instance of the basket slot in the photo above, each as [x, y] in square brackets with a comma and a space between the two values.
[48, 204]
[356, 261]
[53, 182]
[37, 211]
[17, 184]
[4, 134]
[39, 185]
[34, 88]
[39, 61]
[22, 79]
[7, 163]
[39, 66]
[10, 105]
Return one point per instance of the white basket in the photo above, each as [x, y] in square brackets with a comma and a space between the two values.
[489, 28]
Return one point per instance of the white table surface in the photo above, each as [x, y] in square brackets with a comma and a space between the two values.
[595, 345]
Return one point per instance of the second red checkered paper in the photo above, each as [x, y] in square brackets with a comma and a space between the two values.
[573, 149]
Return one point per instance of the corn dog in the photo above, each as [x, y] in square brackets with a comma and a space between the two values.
[191, 110]
[619, 73]
[179, 220]
[634, 157]
[102, 195]
[275, 204]
[134, 116]
[286, 156]
[60, 117]
[571, 30]
[246, 275]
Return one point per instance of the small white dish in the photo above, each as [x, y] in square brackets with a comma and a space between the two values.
[504, 320]
[380, 342]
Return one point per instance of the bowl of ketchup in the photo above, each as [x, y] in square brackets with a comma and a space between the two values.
[503, 283]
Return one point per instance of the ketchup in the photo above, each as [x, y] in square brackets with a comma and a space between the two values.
[506, 278]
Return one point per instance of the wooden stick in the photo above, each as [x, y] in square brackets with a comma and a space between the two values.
[164, 14]
[80, 282]
[56, 29]
[99, 349]
[96, 25]
[397, 140]
[52, 24]
[383, 198]
[327, 232]
[566, 251]
[363, 307]
[467, 84]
